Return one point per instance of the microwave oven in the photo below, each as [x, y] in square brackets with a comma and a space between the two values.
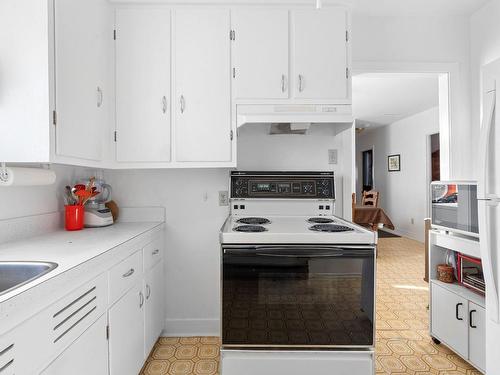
[454, 207]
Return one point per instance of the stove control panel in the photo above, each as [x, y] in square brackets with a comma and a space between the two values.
[300, 185]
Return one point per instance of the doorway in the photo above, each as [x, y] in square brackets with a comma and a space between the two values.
[434, 157]
[367, 170]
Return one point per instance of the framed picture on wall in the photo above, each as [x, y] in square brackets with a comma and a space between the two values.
[394, 163]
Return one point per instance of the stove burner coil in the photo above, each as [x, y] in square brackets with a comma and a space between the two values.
[250, 228]
[253, 220]
[331, 228]
[320, 220]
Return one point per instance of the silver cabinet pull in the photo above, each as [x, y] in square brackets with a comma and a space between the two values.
[100, 97]
[283, 83]
[130, 272]
[141, 299]
[300, 83]
[148, 292]
[164, 104]
[183, 103]
[155, 251]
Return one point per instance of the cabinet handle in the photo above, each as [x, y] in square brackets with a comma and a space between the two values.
[470, 319]
[100, 97]
[283, 83]
[456, 311]
[141, 299]
[130, 272]
[300, 83]
[164, 104]
[155, 251]
[183, 103]
[148, 292]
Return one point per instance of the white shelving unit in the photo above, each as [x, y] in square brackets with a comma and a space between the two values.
[457, 314]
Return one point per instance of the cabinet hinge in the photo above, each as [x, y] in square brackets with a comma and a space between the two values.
[114, 34]
[231, 135]
[107, 332]
[346, 36]
[54, 118]
[232, 35]
[115, 135]
[234, 72]
[347, 73]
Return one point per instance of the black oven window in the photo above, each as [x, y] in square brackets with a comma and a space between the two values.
[273, 300]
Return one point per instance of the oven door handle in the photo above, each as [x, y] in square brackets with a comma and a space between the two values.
[301, 255]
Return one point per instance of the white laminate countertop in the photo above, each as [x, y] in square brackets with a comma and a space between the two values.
[69, 249]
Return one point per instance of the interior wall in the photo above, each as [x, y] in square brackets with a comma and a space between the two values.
[485, 48]
[424, 39]
[403, 195]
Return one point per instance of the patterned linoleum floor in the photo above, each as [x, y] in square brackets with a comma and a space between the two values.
[403, 345]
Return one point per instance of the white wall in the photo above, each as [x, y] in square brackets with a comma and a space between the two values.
[424, 39]
[485, 47]
[403, 195]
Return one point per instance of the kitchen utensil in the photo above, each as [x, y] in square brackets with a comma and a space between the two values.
[74, 217]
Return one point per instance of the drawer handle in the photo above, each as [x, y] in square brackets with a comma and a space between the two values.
[129, 273]
[456, 311]
[470, 319]
[156, 251]
[6, 365]
[141, 299]
[6, 349]
[148, 292]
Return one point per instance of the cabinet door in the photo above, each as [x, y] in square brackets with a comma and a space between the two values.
[126, 333]
[449, 319]
[477, 336]
[320, 54]
[82, 29]
[202, 86]
[143, 85]
[154, 307]
[87, 355]
[260, 54]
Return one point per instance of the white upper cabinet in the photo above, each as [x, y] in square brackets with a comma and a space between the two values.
[319, 51]
[83, 92]
[143, 85]
[202, 100]
[260, 53]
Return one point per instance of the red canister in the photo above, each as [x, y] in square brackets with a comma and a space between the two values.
[74, 217]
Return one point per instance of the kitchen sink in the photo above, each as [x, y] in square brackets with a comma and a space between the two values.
[15, 274]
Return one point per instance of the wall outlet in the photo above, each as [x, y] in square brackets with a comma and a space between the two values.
[223, 198]
[332, 157]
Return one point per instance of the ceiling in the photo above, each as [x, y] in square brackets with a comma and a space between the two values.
[380, 99]
[441, 7]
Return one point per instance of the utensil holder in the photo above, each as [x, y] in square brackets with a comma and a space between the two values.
[74, 217]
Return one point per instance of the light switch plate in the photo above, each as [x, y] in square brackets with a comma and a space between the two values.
[332, 156]
[223, 198]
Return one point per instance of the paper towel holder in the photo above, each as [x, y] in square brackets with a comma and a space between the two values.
[4, 173]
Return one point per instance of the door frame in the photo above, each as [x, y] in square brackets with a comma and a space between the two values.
[449, 84]
[428, 170]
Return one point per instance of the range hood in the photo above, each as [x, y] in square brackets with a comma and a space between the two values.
[293, 114]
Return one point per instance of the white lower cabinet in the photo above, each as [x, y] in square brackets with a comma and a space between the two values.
[477, 341]
[87, 355]
[154, 307]
[449, 319]
[459, 323]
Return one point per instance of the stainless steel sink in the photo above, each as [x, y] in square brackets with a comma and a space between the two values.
[15, 274]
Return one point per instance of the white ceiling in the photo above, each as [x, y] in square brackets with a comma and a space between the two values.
[382, 98]
[441, 7]
[373, 7]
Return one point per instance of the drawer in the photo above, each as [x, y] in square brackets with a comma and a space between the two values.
[153, 253]
[124, 275]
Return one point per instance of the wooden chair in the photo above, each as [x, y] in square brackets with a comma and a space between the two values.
[370, 198]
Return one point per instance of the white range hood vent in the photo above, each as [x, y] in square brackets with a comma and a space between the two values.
[292, 114]
[299, 128]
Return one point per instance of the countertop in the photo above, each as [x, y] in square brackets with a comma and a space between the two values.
[69, 249]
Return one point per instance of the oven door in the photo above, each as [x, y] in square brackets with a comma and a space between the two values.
[298, 296]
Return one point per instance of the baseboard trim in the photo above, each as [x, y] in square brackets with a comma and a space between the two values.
[191, 327]
[401, 233]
